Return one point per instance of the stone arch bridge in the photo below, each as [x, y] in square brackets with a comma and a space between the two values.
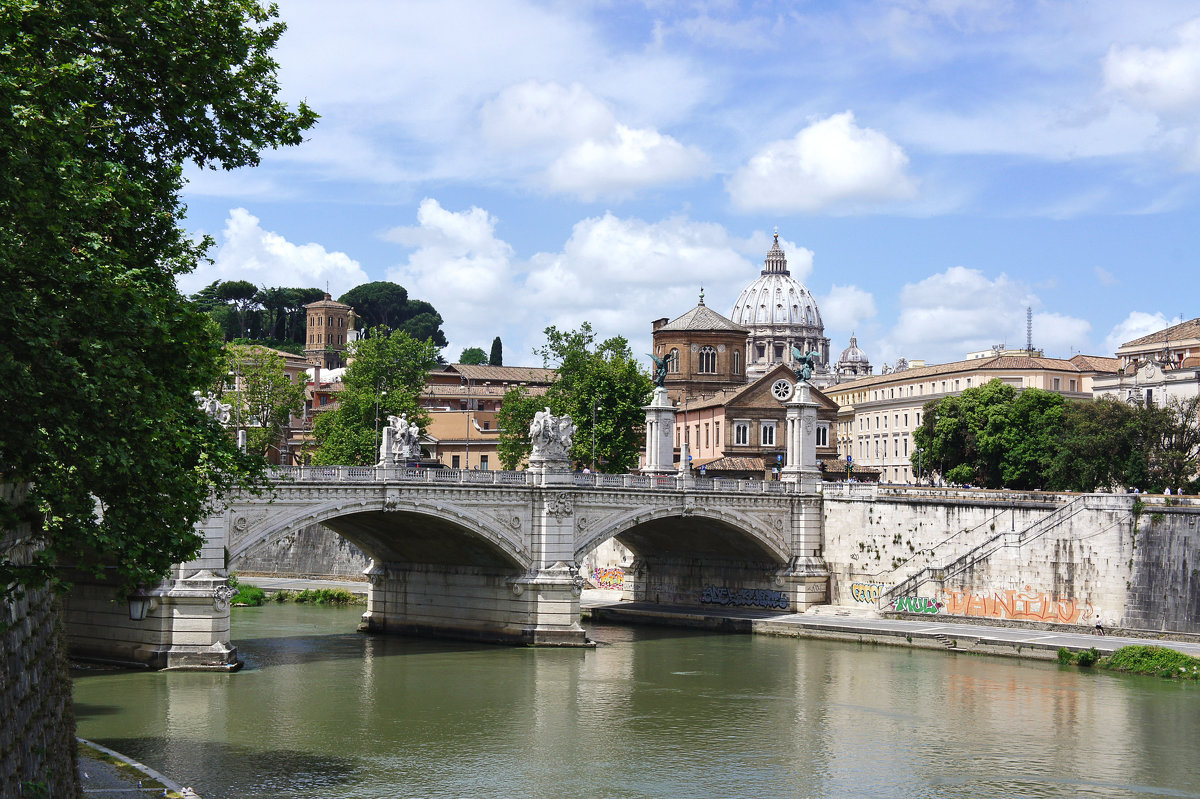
[492, 555]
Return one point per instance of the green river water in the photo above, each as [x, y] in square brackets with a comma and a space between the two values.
[322, 711]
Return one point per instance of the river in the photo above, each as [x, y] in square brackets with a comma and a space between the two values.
[322, 711]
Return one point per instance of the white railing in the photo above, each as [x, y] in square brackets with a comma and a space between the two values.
[656, 482]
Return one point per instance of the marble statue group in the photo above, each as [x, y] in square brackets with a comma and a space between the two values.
[551, 436]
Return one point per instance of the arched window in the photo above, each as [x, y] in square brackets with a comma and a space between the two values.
[737, 362]
[673, 361]
[708, 361]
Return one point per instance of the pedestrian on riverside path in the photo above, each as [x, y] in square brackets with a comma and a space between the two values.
[1099, 625]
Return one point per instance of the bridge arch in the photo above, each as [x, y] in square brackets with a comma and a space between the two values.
[396, 530]
[722, 532]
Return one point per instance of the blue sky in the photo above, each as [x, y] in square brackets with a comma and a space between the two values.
[933, 167]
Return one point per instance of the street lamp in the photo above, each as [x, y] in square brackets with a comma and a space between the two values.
[595, 402]
[379, 395]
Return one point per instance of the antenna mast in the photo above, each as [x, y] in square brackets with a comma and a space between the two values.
[1029, 329]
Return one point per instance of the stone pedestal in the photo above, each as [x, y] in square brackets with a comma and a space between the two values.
[550, 472]
[801, 439]
[660, 434]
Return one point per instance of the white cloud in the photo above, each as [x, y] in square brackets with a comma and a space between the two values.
[961, 310]
[247, 252]
[1136, 325]
[627, 159]
[460, 267]
[831, 164]
[533, 113]
[1166, 82]
[1105, 277]
[1163, 80]
[846, 307]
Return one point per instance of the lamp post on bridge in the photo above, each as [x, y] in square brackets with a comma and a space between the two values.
[379, 395]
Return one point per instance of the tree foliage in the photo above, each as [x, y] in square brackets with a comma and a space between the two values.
[385, 378]
[261, 393]
[516, 413]
[104, 102]
[385, 304]
[604, 377]
[473, 356]
[496, 358]
[994, 437]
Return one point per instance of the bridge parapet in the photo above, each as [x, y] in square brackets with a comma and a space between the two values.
[382, 474]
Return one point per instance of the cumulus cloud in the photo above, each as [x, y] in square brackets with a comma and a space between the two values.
[460, 267]
[534, 113]
[1166, 82]
[1136, 325]
[585, 150]
[961, 310]
[627, 159]
[1105, 277]
[831, 164]
[265, 258]
[846, 307]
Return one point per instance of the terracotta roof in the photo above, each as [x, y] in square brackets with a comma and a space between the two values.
[702, 318]
[735, 463]
[327, 302]
[1015, 362]
[1096, 363]
[502, 374]
[1183, 330]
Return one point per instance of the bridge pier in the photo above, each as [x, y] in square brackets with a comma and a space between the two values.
[475, 603]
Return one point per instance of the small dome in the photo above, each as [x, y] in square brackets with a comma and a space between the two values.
[853, 354]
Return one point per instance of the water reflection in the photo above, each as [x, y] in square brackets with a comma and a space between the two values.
[323, 712]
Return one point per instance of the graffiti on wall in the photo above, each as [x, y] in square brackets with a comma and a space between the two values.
[1027, 605]
[613, 578]
[916, 604]
[744, 597]
[866, 592]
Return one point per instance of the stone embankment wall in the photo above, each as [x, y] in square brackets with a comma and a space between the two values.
[37, 725]
[1016, 557]
[312, 551]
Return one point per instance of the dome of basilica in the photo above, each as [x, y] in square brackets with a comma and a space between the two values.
[776, 298]
[780, 314]
[853, 354]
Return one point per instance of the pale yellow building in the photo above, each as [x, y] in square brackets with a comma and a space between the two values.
[877, 415]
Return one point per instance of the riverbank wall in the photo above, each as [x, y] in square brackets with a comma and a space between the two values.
[999, 556]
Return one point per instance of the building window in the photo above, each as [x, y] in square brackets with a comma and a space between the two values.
[918, 418]
[708, 361]
[487, 425]
[741, 433]
[706, 445]
[673, 360]
[1057, 384]
[454, 462]
[822, 435]
[778, 353]
[906, 446]
[906, 420]
[737, 362]
[1072, 384]
[483, 462]
[762, 351]
[717, 432]
[767, 432]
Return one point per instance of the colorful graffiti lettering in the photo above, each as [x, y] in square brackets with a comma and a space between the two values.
[915, 604]
[1027, 605]
[613, 578]
[744, 597]
[866, 592]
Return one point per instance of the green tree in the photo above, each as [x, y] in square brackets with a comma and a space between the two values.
[380, 303]
[497, 356]
[385, 378]
[516, 412]
[261, 393]
[602, 382]
[1101, 447]
[1174, 444]
[1029, 436]
[966, 431]
[244, 296]
[473, 356]
[104, 103]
